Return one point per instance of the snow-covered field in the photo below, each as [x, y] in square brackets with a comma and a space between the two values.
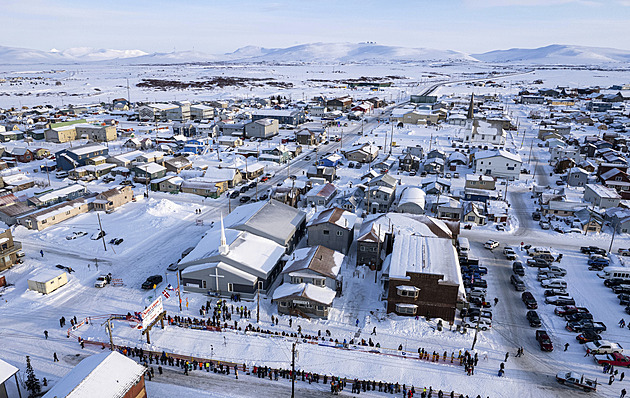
[157, 229]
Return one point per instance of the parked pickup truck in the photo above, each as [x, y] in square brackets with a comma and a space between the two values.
[592, 249]
[570, 309]
[583, 325]
[603, 347]
[577, 380]
[615, 359]
[103, 280]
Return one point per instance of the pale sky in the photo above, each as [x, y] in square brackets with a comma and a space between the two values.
[223, 26]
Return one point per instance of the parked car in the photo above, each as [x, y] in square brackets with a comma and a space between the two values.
[151, 281]
[577, 380]
[491, 244]
[554, 284]
[529, 300]
[570, 309]
[592, 249]
[614, 359]
[517, 282]
[544, 224]
[623, 252]
[103, 280]
[544, 341]
[75, 235]
[624, 298]
[509, 253]
[472, 312]
[586, 336]
[579, 316]
[586, 324]
[619, 289]
[598, 262]
[556, 292]
[615, 282]
[234, 194]
[536, 216]
[554, 269]
[484, 323]
[560, 300]
[243, 189]
[603, 347]
[264, 178]
[533, 318]
[518, 269]
[98, 235]
[244, 199]
[537, 262]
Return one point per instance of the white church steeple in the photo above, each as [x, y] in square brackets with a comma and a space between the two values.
[224, 249]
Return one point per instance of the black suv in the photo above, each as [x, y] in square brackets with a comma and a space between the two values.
[152, 280]
[533, 318]
[529, 300]
[615, 282]
[518, 269]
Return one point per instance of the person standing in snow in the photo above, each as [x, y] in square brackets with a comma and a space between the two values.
[507, 355]
[46, 334]
[41, 252]
[566, 346]
[55, 359]
[374, 331]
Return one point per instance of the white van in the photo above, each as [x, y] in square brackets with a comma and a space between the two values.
[464, 246]
[614, 272]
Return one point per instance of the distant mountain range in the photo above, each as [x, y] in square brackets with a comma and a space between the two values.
[322, 53]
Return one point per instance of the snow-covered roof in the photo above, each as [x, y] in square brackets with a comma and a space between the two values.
[104, 375]
[247, 252]
[424, 255]
[6, 371]
[62, 192]
[498, 152]
[322, 295]
[89, 148]
[16, 179]
[271, 219]
[413, 195]
[47, 275]
[603, 192]
[151, 167]
[337, 216]
[324, 190]
[318, 259]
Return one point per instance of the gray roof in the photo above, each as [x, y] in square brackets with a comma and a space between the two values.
[272, 219]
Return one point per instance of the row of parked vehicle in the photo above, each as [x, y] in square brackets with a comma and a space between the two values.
[473, 274]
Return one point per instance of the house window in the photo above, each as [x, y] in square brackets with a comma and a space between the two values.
[283, 304]
[230, 287]
[362, 248]
[406, 309]
[297, 279]
[471, 218]
[326, 232]
[320, 308]
[339, 233]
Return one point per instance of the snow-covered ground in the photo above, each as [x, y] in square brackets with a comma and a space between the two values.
[157, 229]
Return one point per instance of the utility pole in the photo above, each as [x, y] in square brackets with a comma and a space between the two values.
[258, 302]
[476, 332]
[378, 253]
[109, 331]
[293, 371]
[101, 228]
[613, 238]
[179, 294]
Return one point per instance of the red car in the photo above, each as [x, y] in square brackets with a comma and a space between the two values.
[543, 339]
[263, 179]
[615, 359]
[570, 309]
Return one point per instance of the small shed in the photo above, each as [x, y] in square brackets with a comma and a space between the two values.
[48, 281]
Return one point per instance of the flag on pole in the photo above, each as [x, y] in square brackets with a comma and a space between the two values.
[170, 287]
[165, 293]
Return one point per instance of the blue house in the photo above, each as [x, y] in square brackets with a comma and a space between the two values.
[330, 160]
[70, 158]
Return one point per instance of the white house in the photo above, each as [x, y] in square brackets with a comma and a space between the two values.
[498, 163]
[485, 133]
[601, 196]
